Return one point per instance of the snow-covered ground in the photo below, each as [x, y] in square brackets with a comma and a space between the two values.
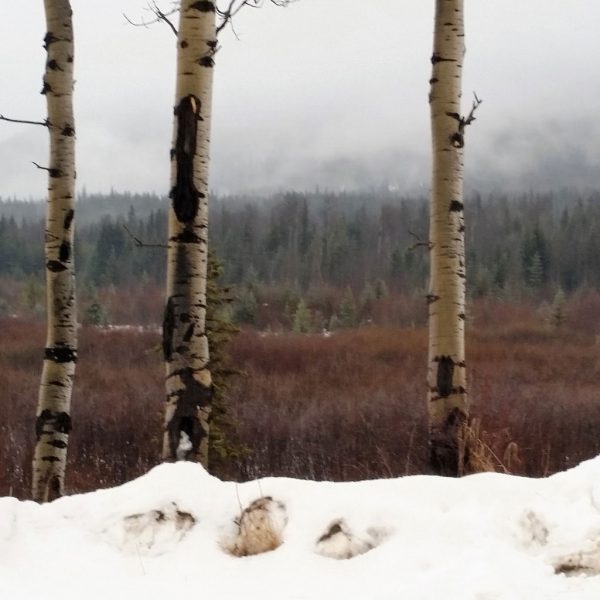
[175, 533]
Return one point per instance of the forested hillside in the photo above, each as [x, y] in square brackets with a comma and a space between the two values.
[337, 253]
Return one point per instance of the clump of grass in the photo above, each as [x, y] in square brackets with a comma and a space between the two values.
[259, 528]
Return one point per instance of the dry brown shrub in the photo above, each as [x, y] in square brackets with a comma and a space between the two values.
[481, 456]
[259, 528]
[345, 407]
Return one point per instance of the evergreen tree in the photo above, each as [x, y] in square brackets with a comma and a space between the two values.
[302, 321]
[557, 310]
[224, 446]
[245, 307]
[346, 314]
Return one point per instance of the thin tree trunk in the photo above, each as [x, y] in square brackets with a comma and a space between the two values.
[447, 384]
[53, 422]
[185, 343]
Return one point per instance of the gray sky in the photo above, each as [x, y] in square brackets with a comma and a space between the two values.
[325, 92]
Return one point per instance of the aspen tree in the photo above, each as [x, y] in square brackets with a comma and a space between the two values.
[448, 406]
[53, 422]
[189, 386]
[185, 342]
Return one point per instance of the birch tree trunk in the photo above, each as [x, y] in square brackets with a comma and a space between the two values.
[185, 343]
[447, 383]
[53, 422]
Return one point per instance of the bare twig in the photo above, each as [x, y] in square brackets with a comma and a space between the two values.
[226, 15]
[139, 242]
[235, 6]
[51, 170]
[458, 138]
[476, 102]
[282, 3]
[419, 243]
[44, 123]
[237, 493]
[159, 15]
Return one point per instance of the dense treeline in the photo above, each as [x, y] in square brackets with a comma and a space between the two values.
[327, 254]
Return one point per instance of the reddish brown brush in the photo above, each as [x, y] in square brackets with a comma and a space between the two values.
[347, 406]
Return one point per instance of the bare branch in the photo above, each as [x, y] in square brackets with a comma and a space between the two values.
[164, 16]
[44, 123]
[159, 15]
[235, 6]
[471, 116]
[51, 170]
[140, 24]
[457, 139]
[228, 14]
[419, 243]
[139, 242]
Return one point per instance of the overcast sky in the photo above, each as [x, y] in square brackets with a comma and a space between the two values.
[329, 93]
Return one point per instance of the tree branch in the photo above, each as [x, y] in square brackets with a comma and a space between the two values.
[235, 6]
[49, 169]
[471, 116]
[159, 16]
[44, 123]
[457, 139]
[419, 243]
[226, 15]
[139, 242]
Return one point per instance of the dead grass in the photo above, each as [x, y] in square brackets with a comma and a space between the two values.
[259, 528]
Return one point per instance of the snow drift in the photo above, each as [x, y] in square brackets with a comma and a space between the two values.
[178, 532]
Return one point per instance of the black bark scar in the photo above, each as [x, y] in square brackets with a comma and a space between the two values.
[436, 58]
[68, 218]
[192, 396]
[445, 374]
[184, 195]
[168, 329]
[55, 266]
[60, 354]
[206, 61]
[59, 421]
[204, 6]
[64, 252]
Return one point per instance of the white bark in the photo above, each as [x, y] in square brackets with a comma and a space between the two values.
[185, 344]
[53, 413]
[447, 396]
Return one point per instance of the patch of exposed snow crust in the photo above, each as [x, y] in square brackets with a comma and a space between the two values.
[177, 529]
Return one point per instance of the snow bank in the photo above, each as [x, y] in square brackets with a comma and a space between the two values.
[173, 533]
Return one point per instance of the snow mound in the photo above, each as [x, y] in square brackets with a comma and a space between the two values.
[339, 541]
[152, 532]
[176, 529]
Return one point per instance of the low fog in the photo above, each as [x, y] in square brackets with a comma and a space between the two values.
[324, 93]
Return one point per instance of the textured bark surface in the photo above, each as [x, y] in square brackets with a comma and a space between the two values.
[185, 344]
[447, 383]
[53, 422]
